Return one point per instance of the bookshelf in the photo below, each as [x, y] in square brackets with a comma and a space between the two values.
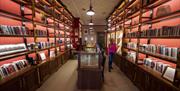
[43, 26]
[142, 22]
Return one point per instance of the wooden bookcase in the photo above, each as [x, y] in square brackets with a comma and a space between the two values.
[136, 16]
[45, 15]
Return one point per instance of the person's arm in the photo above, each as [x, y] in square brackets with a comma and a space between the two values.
[116, 48]
[108, 48]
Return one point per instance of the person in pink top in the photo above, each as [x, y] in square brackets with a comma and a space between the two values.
[111, 51]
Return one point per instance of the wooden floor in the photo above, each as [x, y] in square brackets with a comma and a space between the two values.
[66, 77]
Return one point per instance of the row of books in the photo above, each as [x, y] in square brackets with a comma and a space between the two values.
[131, 45]
[165, 31]
[149, 62]
[165, 69]
[48, 10]
[13, 30]
[9, 68]
[12, 48]
[160, 49]
[20, 30]
[155, 64]
[59, 41]
[131, 34]
[40, 45]
[41, 32]
[131, 56]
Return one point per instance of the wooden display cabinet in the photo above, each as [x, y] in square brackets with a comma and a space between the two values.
[137, 17]
[89, 71]
[30, 14]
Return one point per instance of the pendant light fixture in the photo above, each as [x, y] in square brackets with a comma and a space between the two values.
[91, 23]
[90, 12]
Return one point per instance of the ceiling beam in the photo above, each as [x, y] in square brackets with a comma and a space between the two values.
[115, 8]
[65, 7]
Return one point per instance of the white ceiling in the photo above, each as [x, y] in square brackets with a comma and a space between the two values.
[102, 9]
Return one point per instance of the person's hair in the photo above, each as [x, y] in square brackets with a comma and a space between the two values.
[111, 40]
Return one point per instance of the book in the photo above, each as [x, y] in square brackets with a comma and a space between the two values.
[169, 74]
[174, 52]
[42, 56]
[52, 54]
[9, 68]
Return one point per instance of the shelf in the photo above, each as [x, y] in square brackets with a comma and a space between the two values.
[55, 16]
[130, 49]
[46, 60]
[152, 72]
[8, 56]
[23, 36]
[46, 48]
[57, 6]
[126, 6]
[172, 60]
[131, 37]
[145, 18]
[10, 15]
[169, 59]
[15, 36]
[24, 70]
[171, 15]
[175, 14]
[158, 37]
[37, 9]
[16, 74]
[156, 3]
[19, 18]
[156, 74]
[152, 5]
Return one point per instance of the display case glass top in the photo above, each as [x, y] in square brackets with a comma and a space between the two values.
[89, 59]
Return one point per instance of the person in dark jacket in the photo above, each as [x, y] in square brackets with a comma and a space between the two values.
[103, 62]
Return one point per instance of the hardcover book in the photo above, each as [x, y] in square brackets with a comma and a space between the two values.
[169, 74]
[42, 56]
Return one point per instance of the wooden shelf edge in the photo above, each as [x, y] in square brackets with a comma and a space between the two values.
[16, 74]
[156, 75]
[172, 60]
[9, 56]
[153, 73]
[26, 69]
[158, 37]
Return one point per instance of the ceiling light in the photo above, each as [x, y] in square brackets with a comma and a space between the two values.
[90, 12]
[91, 23]
[92, 38]
[86, 38]
[91, 28]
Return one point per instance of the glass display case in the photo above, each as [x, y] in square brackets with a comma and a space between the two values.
[89, 59]
[90, 49]
[89, 70]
